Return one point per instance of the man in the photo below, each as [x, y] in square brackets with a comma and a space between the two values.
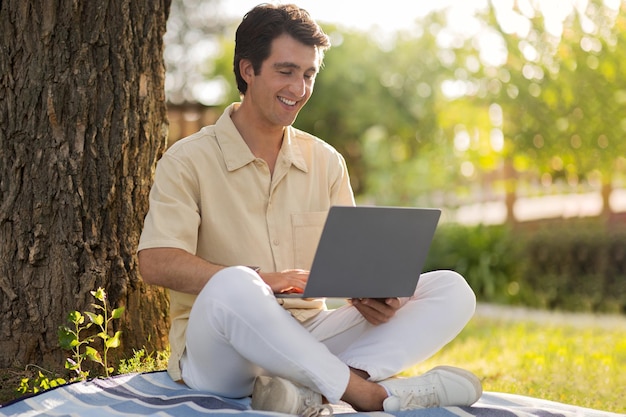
[252, 190]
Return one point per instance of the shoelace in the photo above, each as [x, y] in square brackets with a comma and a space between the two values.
[412, 401]
[317, 410]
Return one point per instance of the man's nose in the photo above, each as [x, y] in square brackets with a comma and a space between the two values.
[298, 87]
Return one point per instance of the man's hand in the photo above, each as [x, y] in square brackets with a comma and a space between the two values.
[377, 310]
[288, 281]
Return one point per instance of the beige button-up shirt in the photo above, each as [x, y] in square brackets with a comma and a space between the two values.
[212, 197]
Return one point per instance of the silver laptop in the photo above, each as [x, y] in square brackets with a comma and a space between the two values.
[370, 252]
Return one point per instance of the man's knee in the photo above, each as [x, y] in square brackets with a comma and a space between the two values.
[233, 283]
[461, 292]
[451, 286]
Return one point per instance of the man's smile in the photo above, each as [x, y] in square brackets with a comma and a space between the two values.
[287, 101]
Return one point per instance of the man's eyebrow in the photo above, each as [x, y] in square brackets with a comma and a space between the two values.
[291, 65]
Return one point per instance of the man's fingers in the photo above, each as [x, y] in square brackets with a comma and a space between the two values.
[377, 310]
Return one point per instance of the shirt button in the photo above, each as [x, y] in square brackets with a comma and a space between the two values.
[276, 242]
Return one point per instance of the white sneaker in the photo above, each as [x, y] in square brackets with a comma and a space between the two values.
[283, 396]
[442, 386]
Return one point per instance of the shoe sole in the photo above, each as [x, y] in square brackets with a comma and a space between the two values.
[478, 386]
[261, 393]
[268, 393]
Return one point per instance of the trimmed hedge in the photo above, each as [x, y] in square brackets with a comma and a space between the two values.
[574, 265]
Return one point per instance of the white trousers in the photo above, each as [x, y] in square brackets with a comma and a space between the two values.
[237, 331]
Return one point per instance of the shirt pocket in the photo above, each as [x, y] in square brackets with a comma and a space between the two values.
[307, 229]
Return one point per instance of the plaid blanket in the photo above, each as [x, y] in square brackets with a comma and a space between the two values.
[155, 394]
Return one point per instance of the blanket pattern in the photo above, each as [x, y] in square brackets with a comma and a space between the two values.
[155, 394]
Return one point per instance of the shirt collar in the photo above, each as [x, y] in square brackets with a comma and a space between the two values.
[236, 152]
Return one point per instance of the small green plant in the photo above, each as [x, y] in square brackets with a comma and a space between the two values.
[144, 362]
[41, 383]
[70, 337]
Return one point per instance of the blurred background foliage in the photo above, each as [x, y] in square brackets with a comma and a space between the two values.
[432, 117]
[574, 264]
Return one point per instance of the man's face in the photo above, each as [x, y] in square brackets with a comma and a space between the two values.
[285, 82]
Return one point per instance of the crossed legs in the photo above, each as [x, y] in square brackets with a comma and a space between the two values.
[237, 331]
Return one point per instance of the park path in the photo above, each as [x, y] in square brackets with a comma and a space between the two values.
[606, 321]
[513, 313]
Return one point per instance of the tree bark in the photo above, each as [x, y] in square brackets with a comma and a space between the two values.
[82, 123]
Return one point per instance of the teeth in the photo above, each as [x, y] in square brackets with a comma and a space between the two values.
[287, 102]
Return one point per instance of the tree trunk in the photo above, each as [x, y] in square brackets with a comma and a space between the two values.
[82, 123]
[605, 192]
[510, 196]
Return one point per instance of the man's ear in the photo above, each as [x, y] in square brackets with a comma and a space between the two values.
[246, 70]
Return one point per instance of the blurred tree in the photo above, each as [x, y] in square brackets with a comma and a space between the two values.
[191, 42]
[384, 118]
[586, 92]
[561, 99]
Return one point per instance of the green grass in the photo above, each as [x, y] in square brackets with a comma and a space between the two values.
[584, 366]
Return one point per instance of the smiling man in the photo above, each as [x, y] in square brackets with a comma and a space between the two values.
[236, 212]
[274, 93]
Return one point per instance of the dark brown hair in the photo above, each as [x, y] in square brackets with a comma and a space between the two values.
[264, 23]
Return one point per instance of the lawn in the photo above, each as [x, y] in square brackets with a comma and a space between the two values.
[576, 364]
[569, 361]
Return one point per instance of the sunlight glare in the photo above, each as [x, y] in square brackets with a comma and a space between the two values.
[391, 16]
[462, 139]
[496, 139]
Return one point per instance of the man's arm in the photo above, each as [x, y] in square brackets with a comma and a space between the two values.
[175, 269]
[181, 271]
